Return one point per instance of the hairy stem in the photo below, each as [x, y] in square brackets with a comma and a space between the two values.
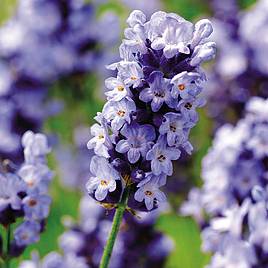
[118, 216]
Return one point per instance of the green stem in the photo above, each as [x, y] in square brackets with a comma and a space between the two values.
[118, 216]
[8, 245]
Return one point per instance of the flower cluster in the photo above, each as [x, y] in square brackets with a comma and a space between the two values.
[82, 244]
[234, 193]
[240, 70]
[43, 42]
[24, 193]
[151, 106]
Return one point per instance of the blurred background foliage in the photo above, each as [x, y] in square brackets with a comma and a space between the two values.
[82, 101]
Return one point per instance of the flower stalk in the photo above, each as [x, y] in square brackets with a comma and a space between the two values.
[118, 216]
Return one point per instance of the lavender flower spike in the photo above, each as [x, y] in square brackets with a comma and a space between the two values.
[24, 194]
[232, 203]
[146, 120]
[150, 109]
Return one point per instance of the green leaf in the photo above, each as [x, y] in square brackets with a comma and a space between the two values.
[186, 236]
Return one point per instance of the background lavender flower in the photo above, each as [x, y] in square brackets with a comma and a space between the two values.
[234, 189]
[41, 53]
[238, 72]
[156, 58]
[21, 197]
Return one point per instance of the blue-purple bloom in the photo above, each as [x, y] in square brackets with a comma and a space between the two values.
[10, 186]
[36, 206]
[185, 85]
[231, 206]
[138, 141]
[240, 70]
[158, 93]
[44, 42]
[27, 233]
[24, 193]
[150, 193]
[176, 127]
[161, 157]
[104, 178]
[151, 104]
[118, 113]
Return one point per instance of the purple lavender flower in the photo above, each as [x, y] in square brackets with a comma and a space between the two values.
[27, 233]
[36, 206]
[185, 85]
[117, 113]
[176, 126]
[37, 177]
[147, 118]
[240, 70]
[104, 180]
[150, 193]
[232, 203]
[44, 42]
[174, 34]
[55, 260]
[35, 147]
[161, 155]
[138, 142]
[100, 142]
[88, 236]
[131, 73]
[118, 89]
[158, 93]
[10, 186]
[188, 108]
[24, 194]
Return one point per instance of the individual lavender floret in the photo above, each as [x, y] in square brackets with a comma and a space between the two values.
[117, 113]
[27, 233]
[150, 192]
[24, 194]
[152, 101]
[138, 141]
[36, 206]
[158, 93]
[35, 147]
[10, 186]
[161, 157]
[176, 126]
[185, 85]
[104, 180]
[100, 138]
